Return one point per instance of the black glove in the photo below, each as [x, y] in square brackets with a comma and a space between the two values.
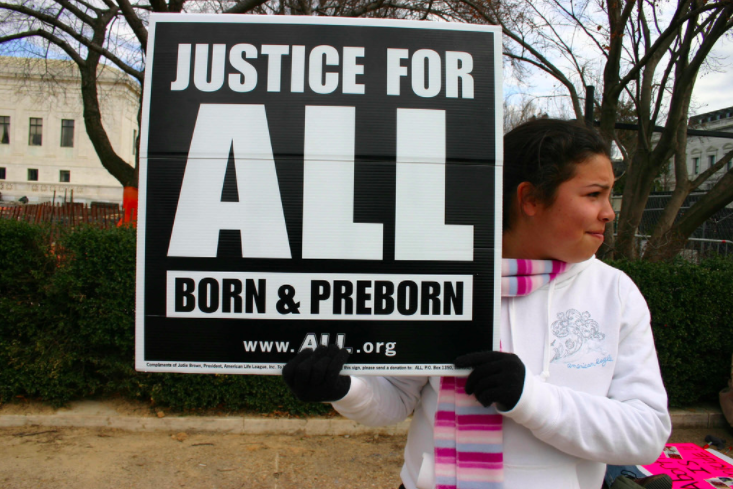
[313, 375]
[497, 377]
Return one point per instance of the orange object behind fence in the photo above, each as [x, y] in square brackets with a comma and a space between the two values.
[129, 204]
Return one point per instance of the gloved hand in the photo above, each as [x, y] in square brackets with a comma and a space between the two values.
[313, 375]
[497, 377]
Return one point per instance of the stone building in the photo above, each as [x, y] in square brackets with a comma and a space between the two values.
[45, 152]
[704, 151]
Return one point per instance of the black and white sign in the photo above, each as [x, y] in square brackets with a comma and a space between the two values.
[309, 181]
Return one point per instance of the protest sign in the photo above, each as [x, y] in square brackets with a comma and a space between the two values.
[692, 467]
[308, 181]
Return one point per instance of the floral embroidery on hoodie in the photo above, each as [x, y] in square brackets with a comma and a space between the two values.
[575, 332]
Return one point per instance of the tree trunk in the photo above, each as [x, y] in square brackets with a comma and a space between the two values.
[118, 167]
[605, 252]
[682, 189]
[661, 236]
[639, 182]
[139, 136]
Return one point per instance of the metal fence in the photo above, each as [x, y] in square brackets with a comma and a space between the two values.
[62, 217]
[719, 227]
[695, 249]
[713, 238]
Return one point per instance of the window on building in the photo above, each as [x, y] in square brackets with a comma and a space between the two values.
[4, 129]
[134, 142]
[696, 165]
[67, 133]
[2, 173]
[64, 176]
[711, 161]
[35, 136]
[32, 174]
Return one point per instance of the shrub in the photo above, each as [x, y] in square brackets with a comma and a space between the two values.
[25, 271]
[67, 327]
[692, 311]
[263, 394]
[92, 303]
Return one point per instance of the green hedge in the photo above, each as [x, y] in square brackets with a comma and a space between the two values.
[67, 328]
[692, 321]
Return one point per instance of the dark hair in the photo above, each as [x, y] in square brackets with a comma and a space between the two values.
[544, 152]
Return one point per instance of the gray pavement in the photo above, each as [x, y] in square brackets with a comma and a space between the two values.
[108, 414]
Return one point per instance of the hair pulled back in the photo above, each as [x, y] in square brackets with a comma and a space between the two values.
[545, 152]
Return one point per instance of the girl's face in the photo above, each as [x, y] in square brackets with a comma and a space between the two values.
[571, 228]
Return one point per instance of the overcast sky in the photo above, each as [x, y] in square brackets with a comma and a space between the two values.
[713, 89]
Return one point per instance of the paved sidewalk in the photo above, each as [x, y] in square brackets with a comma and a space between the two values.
[698, 417]
[119, 444]
[100, 414]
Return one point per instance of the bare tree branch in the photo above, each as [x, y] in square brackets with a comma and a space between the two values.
[135, 23]
[159, 6]
[548, 66]
[369, 7]
[71, 52]
[661, 40]
[77, 12]
[244, 6]
[56, 23]
[700, 179]
[580, 24]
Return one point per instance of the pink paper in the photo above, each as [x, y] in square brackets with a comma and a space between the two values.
[692, 467]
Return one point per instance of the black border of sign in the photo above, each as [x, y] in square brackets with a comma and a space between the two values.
[140, 362]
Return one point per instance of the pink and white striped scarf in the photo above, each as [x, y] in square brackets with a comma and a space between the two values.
[467, 436]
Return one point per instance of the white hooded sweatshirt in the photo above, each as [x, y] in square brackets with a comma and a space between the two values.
[593, 393]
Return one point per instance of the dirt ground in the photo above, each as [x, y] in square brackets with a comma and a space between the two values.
[60, 458]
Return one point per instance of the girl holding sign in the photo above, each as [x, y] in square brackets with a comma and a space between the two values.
[576, 384]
